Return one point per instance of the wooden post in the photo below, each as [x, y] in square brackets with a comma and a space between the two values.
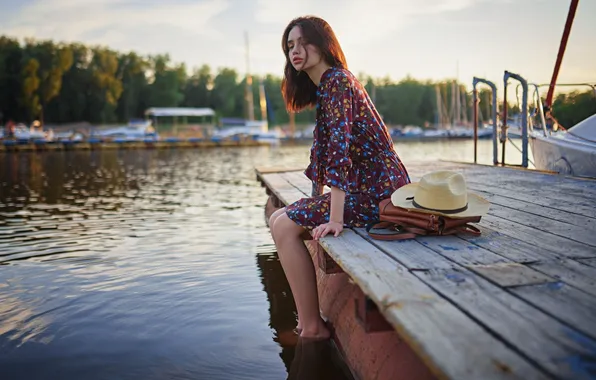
[326, 263]
[369, 316]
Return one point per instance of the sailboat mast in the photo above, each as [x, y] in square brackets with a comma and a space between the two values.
[457, 104]
[551, 90]
[453, 106]
[464, 102]
[249, 97]
[440, 120]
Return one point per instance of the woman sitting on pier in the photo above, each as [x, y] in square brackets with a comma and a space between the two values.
[352, 154]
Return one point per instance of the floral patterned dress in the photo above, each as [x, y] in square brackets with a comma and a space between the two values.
[352, 150]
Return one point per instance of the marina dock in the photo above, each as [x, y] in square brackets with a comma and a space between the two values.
[172, 143]
[516, 302]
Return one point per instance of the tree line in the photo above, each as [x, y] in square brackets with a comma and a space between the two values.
[62, 83]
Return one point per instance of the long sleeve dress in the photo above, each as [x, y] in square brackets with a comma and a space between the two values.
[352, 150]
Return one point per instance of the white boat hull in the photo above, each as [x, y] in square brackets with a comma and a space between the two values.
[564, 154]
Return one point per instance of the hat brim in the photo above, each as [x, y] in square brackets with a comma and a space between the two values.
[403, 197]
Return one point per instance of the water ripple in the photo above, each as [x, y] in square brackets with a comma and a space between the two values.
[140, 264]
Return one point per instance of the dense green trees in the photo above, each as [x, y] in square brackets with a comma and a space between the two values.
[573, 107]
[62, 83]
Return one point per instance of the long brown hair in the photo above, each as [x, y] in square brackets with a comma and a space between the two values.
[298, 90]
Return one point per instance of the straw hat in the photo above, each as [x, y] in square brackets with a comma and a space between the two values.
[441, 192]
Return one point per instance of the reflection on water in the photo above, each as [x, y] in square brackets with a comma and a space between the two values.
[141, 264]
[150, 264]
[304, 360]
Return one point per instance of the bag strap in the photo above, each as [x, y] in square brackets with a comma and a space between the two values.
[463, 229]
[394, 233]
[410, 225]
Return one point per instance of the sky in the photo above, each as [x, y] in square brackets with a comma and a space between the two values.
[426, 39]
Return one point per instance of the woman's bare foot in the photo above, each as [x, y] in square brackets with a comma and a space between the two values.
[318, 331]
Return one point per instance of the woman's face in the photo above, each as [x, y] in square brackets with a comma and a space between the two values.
[303, 55]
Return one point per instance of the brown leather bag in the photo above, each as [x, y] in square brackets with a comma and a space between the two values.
[398, 224]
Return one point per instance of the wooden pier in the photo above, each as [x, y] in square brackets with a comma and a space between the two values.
[41, 146]
[517, 302]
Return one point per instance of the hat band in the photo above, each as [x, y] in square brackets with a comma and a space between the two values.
[451, 211]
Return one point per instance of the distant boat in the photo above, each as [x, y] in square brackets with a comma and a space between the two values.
[255, 129]
[435, 133]
[21, 132]
[411, 131]
[135, 130]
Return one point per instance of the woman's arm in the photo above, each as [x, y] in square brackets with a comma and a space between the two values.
[338, 197]
[339, 115]
[336, 216]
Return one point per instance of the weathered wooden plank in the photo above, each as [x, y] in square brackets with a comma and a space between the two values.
[546, 184]
[282, 188]
[540, 239]
[489, 248]
[511, 274]
[409, 253]
[290, 196]
[473, 297]
[537, 335]
[274, 182]
[461, 251]
[299, 180]
[451, 343]
[495, 313]
[565, 204]
[535, 209]
[515, 249]
[586, 234]
[580, 276]
[565, 303]
[589, 262]
[418, 255]
[296, 179]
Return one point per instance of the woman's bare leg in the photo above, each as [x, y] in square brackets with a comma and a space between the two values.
[273, 215]
[300, 272]
[272, 219]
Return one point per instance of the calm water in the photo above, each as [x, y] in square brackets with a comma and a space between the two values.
[151, 265]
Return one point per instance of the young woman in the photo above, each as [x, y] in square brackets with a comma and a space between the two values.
[352, 154]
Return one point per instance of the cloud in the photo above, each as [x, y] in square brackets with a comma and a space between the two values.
[108, 21]
[355, 22]
[425, 38]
